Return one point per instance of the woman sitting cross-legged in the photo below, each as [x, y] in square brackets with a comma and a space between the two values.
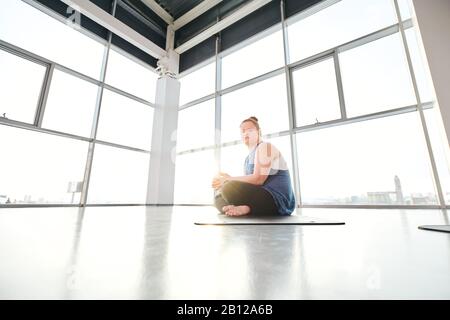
[266, 187]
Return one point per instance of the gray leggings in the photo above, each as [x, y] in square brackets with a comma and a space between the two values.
[238, 193]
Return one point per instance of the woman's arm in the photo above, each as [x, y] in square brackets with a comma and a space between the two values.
[251, 178]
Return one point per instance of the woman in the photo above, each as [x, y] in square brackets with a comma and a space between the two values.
[265, 189]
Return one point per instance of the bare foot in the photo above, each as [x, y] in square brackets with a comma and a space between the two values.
[226, 208]
[238, 210]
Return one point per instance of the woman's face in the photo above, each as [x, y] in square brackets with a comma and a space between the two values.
[249, 133]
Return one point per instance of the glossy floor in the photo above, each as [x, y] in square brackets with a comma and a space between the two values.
[158, 253]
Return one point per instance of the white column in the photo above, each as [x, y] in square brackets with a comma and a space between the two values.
[433, 20]
[162, 161]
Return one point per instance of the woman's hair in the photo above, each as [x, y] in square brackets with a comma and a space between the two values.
[253, 120]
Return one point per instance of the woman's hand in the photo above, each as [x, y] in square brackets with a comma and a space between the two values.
[219, 180]
[223, 174]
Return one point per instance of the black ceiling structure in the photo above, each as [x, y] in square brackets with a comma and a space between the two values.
[176, 8]
[143, 20]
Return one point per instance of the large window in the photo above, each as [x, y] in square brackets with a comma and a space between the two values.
[253, 60]
[267, 100]
[19, 76]
[37, 168]
[198, 84]
[118, 176]
[35, 31]
[382, 161]
[373, 161]
[125, 121]
[375, 77]
[131, 76]
[435, 126]
[193, 175]
[315, 93]
[341, 22]
[70, 105]
[419, 62]
[441, 152]
[196, 126]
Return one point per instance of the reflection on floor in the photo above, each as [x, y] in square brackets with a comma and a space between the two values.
[158, 253]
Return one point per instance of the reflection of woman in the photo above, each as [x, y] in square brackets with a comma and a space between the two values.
[265, 189]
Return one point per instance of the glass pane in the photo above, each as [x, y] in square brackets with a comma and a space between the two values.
[405, 7]
[315, 93]
[253, 60]
[50, 38]
[125, 121]
[440, 146]
[382, 161]
[197, 84]
[232, 159]
[340, 23]
[118, 176]
[193, 177]
[70, 104]
[21, 81]
[131, 76]
[196, 126]
[420, 65]
[40, 168]
[266, 100]
[375, 77]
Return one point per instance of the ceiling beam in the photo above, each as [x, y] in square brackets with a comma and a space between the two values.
[194, 13]
[116, 26]
[156, 8]
[222, 24]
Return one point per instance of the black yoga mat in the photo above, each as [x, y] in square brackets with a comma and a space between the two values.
[440, 228]
[222, 220]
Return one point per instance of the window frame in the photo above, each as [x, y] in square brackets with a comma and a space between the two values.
[311, 62]
[45, 85]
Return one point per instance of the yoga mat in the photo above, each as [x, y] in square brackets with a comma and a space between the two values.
[440, 228]
[224, 220]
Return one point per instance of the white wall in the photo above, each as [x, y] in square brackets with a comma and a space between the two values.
[433, 20]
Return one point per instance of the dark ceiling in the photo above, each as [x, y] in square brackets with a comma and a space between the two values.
[143, 20]
[176, 8]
